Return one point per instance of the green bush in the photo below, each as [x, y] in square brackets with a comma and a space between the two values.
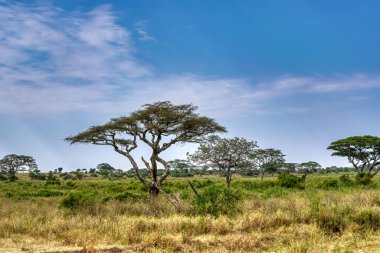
[70, 184]
[47, 193]
[346, 180]
[274, 192]
[3, 177]
[329, 183]
[289, 181]
[73, 201]
[125, 196]
[363, 178]
[217, 201]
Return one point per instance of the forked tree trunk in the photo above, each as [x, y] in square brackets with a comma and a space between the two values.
[153, 191]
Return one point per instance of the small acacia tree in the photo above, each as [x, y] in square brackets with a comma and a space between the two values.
[228, 155]
[159, 125]
[363, 152]
[308, 167]
[264, 159]
[11, 164]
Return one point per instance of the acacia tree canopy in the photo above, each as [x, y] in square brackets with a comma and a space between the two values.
[159, 125]
[11, 164]
[308, 167]
[228, 155]
[266, 158]
[363, 152]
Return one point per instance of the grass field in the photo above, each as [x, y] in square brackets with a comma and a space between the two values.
[326, 216]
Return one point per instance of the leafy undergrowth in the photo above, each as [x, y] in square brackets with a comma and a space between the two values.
[324, 216]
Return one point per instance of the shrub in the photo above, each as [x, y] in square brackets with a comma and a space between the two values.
[74, 201]
[203, 183]
[368, 219]
[127, 196]
[217, 201]
[363, 178]
[3, 177]
[52, 179]
[329, 183]
[47, 193]
[290, 181]
[70, 184]
[346, 180]
[332, 221]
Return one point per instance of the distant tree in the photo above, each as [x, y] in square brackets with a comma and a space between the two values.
[228, 155]
[159, 126]
[181, 168]
[289, 167]
[92, 172]
[309, 167]
[363, 152]
[265, 159]
[51, 179]
[11, 164]
[105, 169]
[36, 174]
[60, 170]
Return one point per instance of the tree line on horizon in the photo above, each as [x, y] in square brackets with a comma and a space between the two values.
[161, 125]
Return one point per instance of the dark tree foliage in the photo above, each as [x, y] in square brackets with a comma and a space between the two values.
[105, 169]
[228, 155]
[363, 152]
[159, 125]
[11, 164]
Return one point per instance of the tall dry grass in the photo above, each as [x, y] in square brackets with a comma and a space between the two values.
[320, 221]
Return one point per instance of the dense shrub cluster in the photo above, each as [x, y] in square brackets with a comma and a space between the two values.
[363, 178]
[76, 201]
[290, 181]
[217, 201]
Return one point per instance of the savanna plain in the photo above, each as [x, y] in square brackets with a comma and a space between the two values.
[328, 213]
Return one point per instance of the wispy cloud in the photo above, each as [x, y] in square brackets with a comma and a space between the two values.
[51, 56]
[54, 61]
[141, 28]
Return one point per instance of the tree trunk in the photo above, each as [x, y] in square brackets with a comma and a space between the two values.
[153, 188]
[228, 181]
[153, 191]
[262, 176]
[303, 178]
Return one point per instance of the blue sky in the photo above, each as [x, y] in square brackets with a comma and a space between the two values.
[294, 75]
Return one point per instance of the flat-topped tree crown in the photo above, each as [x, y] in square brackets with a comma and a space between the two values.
[159, 125]
[363, 152]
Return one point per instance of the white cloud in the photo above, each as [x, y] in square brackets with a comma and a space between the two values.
[53, 61]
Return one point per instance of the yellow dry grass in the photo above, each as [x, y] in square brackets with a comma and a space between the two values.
[274, 225]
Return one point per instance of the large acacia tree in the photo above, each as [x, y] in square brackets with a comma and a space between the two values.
[11, 164]
[363, 152]
[159, 125]
[228, 155]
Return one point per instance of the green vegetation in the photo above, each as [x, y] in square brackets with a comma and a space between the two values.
[328, 210]
[195, 210]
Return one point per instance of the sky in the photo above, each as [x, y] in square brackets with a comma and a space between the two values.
[292, 75]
